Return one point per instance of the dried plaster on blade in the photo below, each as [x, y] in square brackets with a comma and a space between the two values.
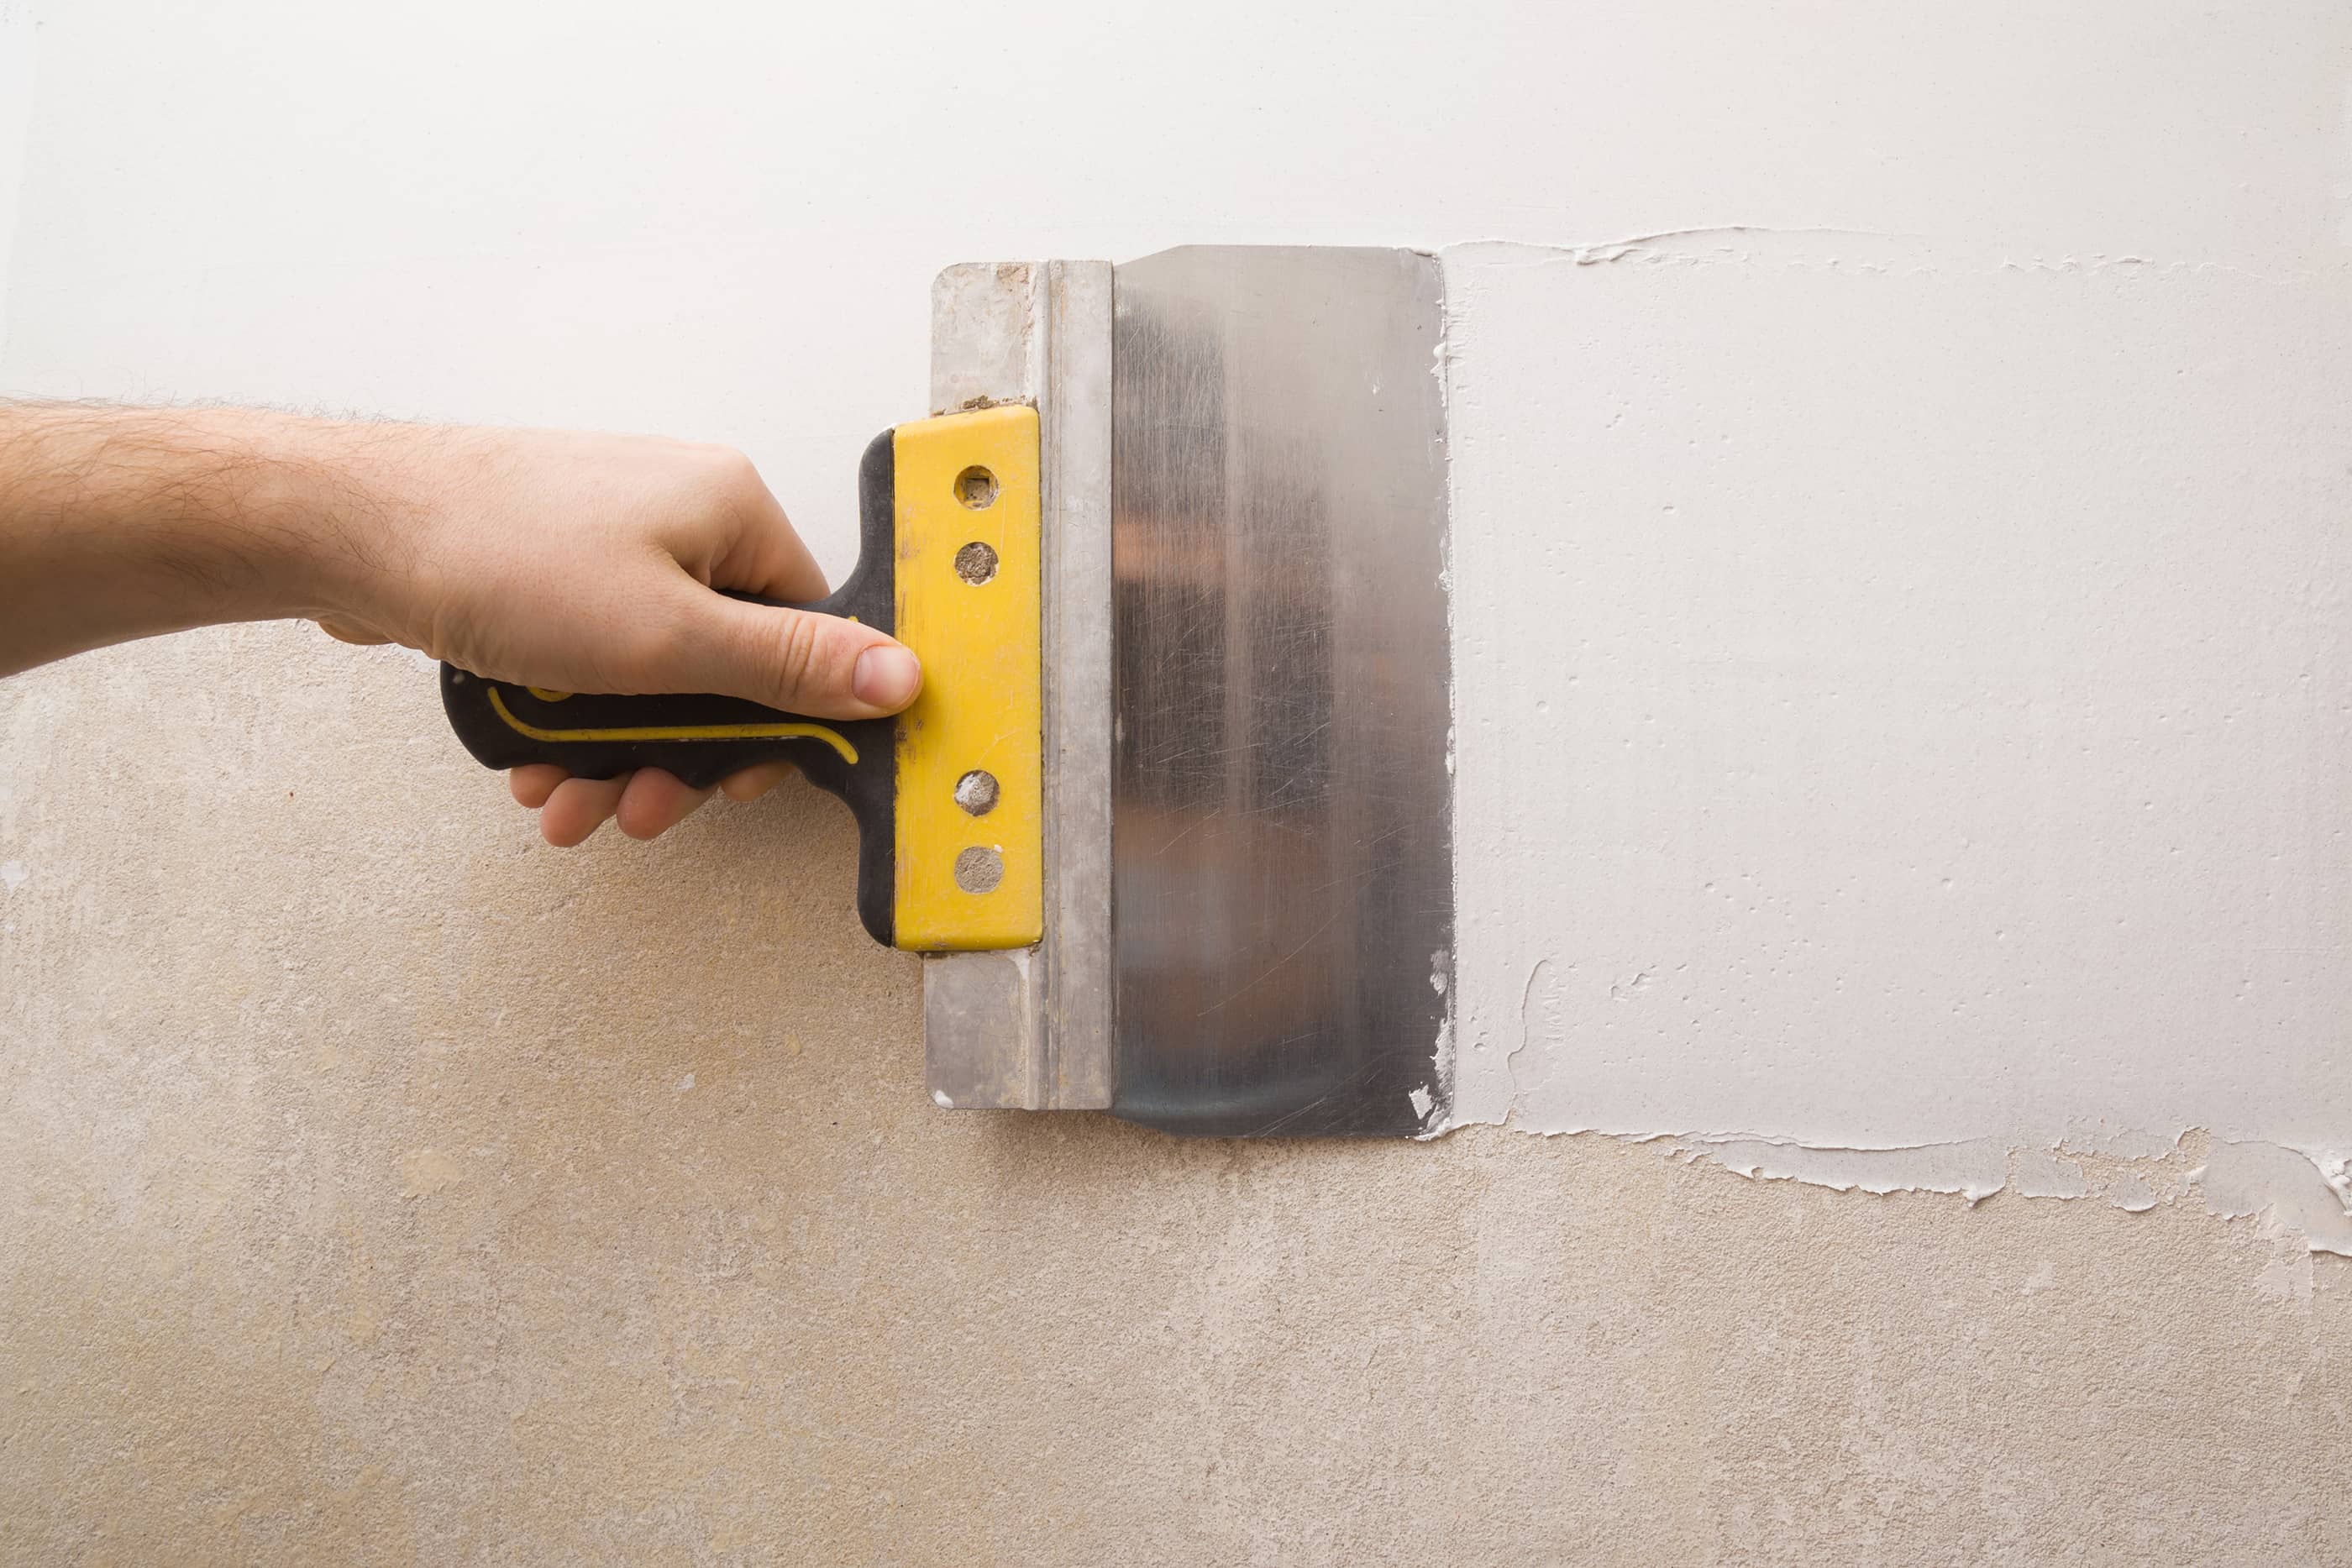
[1902, 693]
[1426, 1102]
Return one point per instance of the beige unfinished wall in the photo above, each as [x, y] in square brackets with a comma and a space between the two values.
[381, 1185]
[376, 1185]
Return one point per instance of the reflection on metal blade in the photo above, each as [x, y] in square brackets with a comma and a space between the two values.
[1282, 879]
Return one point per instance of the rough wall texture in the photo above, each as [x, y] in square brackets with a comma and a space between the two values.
[379, 1185]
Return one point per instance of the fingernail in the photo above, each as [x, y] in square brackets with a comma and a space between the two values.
[887, 676]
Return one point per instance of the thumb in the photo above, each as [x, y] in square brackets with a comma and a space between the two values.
[796, 660]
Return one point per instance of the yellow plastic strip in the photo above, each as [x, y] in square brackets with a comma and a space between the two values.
[832, 737]
[967, 522]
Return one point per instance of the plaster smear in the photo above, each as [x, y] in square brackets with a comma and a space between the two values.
[1904, 712]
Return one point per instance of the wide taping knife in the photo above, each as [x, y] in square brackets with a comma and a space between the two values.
[1169, 819]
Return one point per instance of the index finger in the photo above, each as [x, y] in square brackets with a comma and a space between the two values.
[769, 559]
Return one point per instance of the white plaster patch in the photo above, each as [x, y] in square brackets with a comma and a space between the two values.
[2287, 1277]
[2041, 1173]
[425, 1173]
[13, 875]
[1901, 699]
[2285, 1190]
[1974, 1169]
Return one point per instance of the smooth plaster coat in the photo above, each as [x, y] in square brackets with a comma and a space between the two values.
[379, 1185]
[1904, 710]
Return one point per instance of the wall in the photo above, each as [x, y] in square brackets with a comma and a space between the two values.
[1901, 710]
[380, 1186]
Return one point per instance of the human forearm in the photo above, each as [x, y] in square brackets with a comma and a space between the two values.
[118, 523]
[546, 558]
[561, 559]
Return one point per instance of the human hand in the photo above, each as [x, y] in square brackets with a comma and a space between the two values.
[590, 563]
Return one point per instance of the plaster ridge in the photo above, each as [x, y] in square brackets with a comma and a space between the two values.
[2295, 1194]
[1789, 248]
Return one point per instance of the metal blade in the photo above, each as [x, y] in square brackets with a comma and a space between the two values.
[1282, 863]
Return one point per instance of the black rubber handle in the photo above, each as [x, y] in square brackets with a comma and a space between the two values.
[702, 738]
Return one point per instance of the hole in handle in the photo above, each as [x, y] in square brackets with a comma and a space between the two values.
[976, 488]
[975, 563]
[978, 869]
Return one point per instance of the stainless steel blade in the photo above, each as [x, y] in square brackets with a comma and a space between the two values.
[1282, 869]
[1249, 908]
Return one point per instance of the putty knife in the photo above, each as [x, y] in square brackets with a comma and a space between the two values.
[1169, 819]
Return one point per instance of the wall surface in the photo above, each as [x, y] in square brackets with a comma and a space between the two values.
[1902, 713]
[377, 1185]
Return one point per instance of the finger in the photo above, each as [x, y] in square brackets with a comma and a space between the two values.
[824, 665]
[754, 782]
[654, 802]
[578, 808]
[770, 557]
[533, 782]
[346, 631]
